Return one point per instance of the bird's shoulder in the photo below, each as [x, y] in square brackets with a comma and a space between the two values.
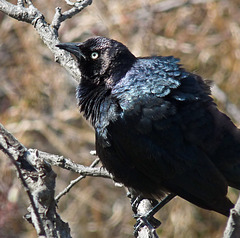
[158, 84]
[152, 75]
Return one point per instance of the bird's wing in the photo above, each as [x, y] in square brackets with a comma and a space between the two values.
[151, 138]
[153, 153]
[156, 76]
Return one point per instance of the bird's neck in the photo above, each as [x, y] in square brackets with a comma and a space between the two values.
[90, 100]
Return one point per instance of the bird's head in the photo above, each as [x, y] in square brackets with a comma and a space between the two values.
[101, 59]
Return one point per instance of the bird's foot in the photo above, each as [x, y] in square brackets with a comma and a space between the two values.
[145, 221]
[144, 211]
[150, 225]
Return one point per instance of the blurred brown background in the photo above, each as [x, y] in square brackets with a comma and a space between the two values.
[37, 104]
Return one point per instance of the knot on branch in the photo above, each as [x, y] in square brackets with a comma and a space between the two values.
[41, 181]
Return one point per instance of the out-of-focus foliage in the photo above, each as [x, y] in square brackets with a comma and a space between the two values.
[37, 104]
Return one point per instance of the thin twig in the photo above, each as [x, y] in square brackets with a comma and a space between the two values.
[68, 164]
[75, 181]
[59, 17]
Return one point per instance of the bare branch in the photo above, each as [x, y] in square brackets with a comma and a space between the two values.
[16, 151]
[20, 13]
[38, 180]
[47, 32]
[56, 22]
[68, 164]
[233, 225]
[77, 7]
[55, 160]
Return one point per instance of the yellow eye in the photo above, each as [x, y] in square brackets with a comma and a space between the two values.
[94, 55]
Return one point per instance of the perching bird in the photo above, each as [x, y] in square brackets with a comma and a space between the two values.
[157, 128]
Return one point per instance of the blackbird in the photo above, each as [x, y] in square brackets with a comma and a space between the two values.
[157, 128]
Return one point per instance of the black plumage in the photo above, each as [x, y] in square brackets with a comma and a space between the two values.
[157, 127]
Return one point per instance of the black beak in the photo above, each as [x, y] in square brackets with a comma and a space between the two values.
[73, 48]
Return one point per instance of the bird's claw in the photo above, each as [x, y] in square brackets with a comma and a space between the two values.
[149, 223]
